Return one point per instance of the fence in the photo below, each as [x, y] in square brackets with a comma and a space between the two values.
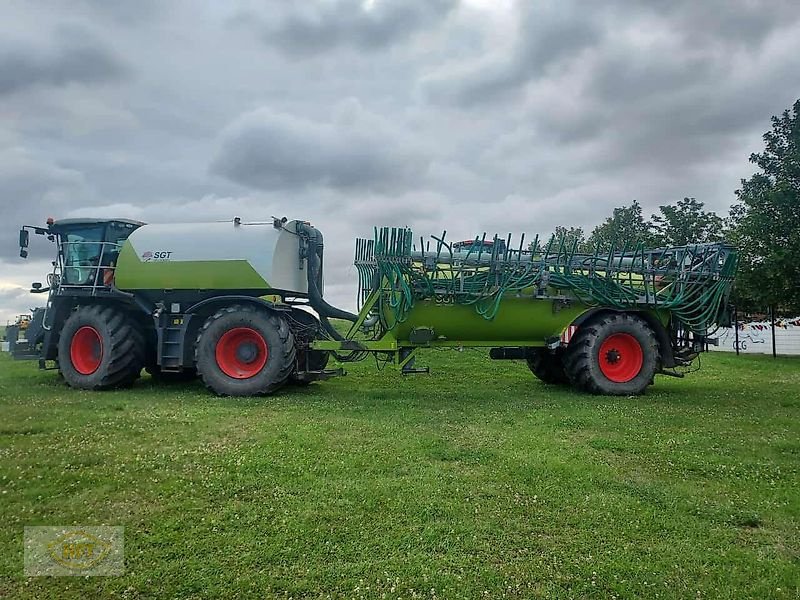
[760, 334]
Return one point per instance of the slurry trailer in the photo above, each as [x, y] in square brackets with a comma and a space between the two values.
[241, 305]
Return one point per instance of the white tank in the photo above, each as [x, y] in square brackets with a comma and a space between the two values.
[229, 255]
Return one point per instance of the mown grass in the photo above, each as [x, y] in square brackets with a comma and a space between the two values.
[474, 481]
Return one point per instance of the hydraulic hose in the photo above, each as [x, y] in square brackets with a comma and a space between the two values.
[314, 260]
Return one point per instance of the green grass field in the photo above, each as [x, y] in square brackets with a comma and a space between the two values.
[474, 481]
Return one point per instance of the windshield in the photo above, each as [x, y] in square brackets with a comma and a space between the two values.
[81, 254]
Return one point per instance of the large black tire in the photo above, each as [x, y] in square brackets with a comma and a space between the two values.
[244, 351]
[100, 347]
[547, 366]
[615, 354]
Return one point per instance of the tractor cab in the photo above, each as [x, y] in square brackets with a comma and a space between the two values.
[87, 248]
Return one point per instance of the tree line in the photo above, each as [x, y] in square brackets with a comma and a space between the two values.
[764, 223]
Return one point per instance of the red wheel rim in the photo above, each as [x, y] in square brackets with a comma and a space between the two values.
[621, 357]
[86, 350]
[241, 352]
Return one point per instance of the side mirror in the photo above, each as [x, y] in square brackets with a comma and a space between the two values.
[24, 238]
[36, 285]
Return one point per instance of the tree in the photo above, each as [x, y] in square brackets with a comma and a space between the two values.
[571, 235]
[767, 219]
[623, 229]
[686, 223]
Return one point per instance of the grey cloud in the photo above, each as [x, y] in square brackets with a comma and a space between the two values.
[724, 23]
[122, 13]
[30, 191]
[677, 112]
[354, 151]
[544, 39]
[76, 57]
[305, 28]
[628, 77]
[654, 98]
[677, 43]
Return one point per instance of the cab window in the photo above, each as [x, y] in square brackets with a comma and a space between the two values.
[81, 254]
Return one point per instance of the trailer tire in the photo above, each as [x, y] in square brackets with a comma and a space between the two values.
[100, 347]
[547, 366]
[244, 351]
[615, 354]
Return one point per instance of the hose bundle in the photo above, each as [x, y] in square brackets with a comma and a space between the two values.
[691, 281]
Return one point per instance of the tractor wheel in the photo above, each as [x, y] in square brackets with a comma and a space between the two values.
[170, 376]
[244, 351]
[99, 348]
[547, 366]
[616, 354]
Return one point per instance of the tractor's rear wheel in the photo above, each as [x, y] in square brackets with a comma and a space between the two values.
[100, 347]
[616, 354]
[244, 351]
[547, 366]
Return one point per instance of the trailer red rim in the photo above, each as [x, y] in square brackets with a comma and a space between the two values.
[621, 357]
[86, 350]
[241, 352]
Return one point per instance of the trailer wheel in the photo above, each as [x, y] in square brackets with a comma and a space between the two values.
[616, 355]
[547, 366]
[99, 348]
[243, 351]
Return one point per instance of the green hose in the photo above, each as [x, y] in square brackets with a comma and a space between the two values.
[690, 281]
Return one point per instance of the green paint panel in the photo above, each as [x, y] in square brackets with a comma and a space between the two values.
[134, 274]
[518, 319]
[519, 322]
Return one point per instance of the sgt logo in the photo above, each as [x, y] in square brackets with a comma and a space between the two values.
[80, 551]
[157, 256]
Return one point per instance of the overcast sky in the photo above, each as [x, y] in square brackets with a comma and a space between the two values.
[487, 115]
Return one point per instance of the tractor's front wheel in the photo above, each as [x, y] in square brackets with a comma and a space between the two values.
[244, 351]
[616, 354]
[100, 347]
